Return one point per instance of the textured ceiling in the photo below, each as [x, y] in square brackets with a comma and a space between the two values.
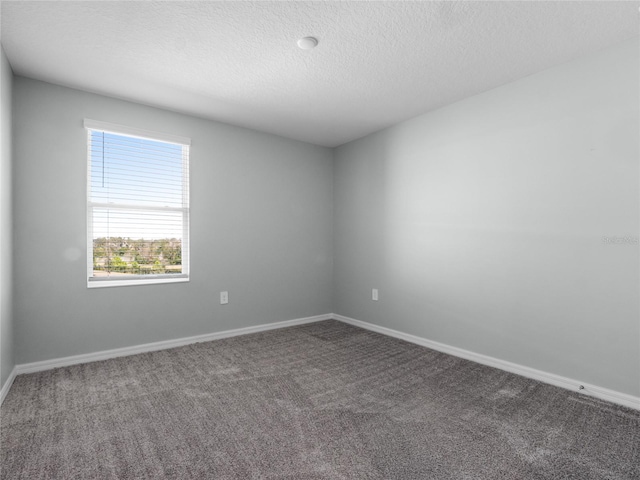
[377, 63]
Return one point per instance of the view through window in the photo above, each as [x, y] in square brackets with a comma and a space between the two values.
[138, 206]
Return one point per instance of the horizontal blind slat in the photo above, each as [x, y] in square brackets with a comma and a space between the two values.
[132, 132]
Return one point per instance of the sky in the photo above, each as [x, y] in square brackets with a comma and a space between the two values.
[129, 174]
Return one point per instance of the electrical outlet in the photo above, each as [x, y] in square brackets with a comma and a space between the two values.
[224, 298]
[374, 294]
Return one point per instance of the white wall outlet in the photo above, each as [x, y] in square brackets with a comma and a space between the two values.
[224, 298]
[374, 294]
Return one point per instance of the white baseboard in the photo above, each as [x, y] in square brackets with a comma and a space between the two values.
[150, 347]
[550, 378]
[7, 385]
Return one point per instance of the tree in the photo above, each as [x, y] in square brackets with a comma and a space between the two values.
[118, 264]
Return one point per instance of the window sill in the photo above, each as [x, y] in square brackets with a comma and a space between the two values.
[135, 281]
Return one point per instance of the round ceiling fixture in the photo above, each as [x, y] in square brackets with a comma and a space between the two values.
[307, 43]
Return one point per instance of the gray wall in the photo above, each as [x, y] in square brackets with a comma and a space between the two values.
[482, 223]
[6, 229]
[260, 228]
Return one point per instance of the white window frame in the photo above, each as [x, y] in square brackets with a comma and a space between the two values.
[185, 142]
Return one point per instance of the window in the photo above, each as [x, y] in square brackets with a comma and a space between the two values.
[137, 206]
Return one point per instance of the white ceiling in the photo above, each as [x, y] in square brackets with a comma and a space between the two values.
[377, 63]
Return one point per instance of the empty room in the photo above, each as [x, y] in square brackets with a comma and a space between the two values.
[320, 240]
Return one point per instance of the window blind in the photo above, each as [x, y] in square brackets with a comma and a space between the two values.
[137, 205]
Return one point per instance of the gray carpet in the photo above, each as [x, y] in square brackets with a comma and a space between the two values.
[321, 401]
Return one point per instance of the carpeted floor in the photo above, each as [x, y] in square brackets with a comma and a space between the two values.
[320, 401]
